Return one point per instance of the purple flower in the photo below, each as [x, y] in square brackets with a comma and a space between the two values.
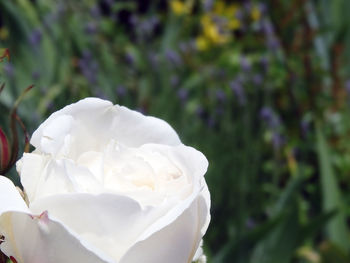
[95, 11]
[270, 118]
[121, 91]
[147, 26]
[183, 95]
[109, 3]
[88, 67]
[219, 110]
[50, 105]
[35, 37]
[211, 122]
[264, 62]
[263, 8]
[220, 73]
[134, 20]
[187, 47]
[238, 90]
[266, 113]
[305, 127]
[90, 28]
[174, 81]
[173, 57]
[100, 94]
[9, 70]
[129, 58]
[347, 86]
[273, 43]
[60, 10]
[245, 64]
[247, 6]
[200, 112]
[153, 58]
[87, 54]
[271, 38]
[220, 96]
[267, 27]
[208, 5]
[250, 223]
[239, 14]
[144, 27]
[257, 79]
[35, 75]
[278, 140]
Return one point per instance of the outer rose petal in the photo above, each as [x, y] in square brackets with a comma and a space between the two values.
[206, 196]
[108, 221]
[67, 130]
[36, 239]
[10, 199]
[175, 243]
[40, 240]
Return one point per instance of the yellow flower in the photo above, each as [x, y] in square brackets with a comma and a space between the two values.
[234, 24]
[230, 10]
[256, 14]
[219, 7]
[211, 31]
[205, 20]
[202, 43]
[214, 32]
[179, 7]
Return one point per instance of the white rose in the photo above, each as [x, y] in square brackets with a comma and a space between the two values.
[106, 184]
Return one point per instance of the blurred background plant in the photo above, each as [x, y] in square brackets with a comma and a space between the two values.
[261, 87]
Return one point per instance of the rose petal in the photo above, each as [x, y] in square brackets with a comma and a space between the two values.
[189, 160]
[10, 199]
[176, 242]
[56, 136]
[36, 239]
[206, 196]
[42, 177]
[85, 108]
[31, 168]
[97, 122]
[108, 221]
[39, 239]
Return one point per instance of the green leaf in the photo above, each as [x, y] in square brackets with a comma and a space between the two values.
[336, 228]
[279, 246]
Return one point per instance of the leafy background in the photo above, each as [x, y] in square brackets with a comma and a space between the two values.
[260, 87]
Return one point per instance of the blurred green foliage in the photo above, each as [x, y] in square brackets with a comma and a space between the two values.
[260, 87]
